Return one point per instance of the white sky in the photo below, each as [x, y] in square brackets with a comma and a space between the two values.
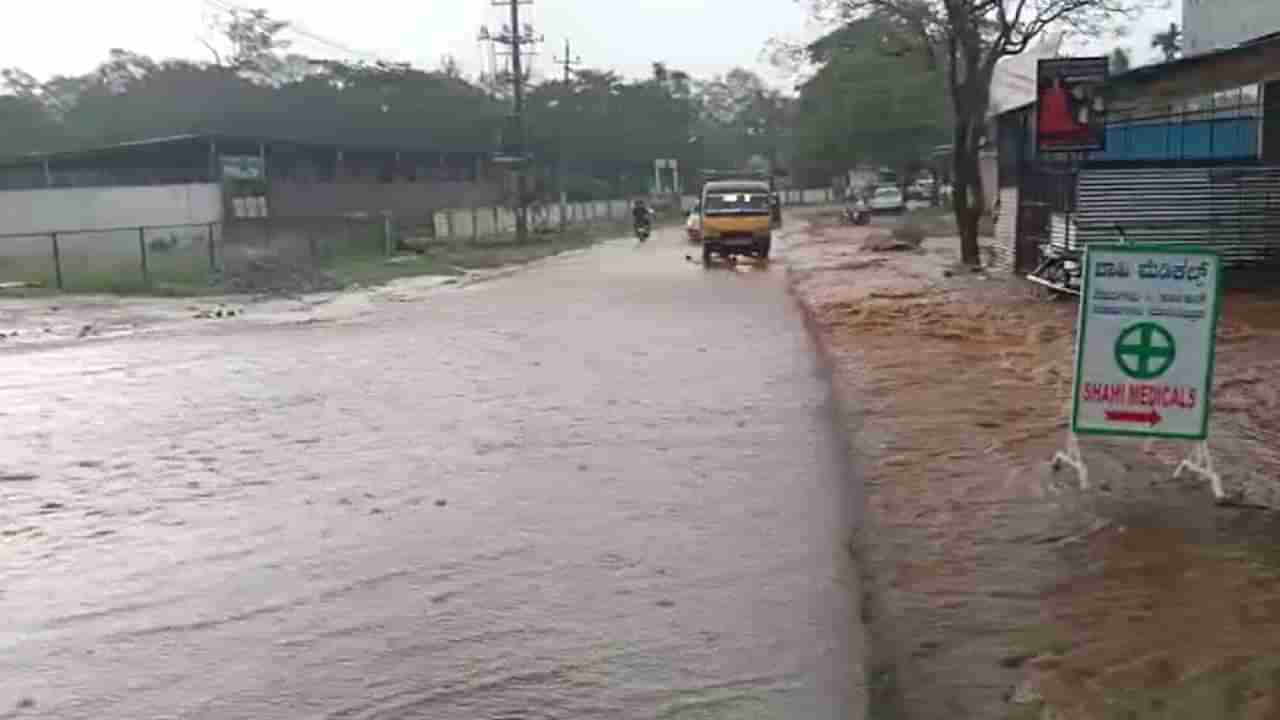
[1137, 35]
[703, 37]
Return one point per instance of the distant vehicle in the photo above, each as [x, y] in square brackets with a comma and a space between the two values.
[856, 212]
[693, 226]
[737, 219]
[642, 219]
[921, 189]
[887, 200]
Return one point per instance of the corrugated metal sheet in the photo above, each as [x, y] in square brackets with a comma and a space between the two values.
[1235, 210]
[1006, 241]
[1064, 234]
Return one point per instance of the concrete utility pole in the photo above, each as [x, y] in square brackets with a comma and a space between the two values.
[569, 62]
[517, 39]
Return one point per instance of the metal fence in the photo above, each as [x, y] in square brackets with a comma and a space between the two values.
[112, 259]
[190, 257]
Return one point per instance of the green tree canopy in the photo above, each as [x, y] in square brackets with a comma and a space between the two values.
[1169, 42]
[871, 101]
[608, 129]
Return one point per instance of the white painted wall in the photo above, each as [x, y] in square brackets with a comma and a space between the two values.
[65, 209]
[1210, 25]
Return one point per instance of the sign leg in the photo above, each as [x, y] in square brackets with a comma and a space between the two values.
[1201, 463]
[1073, 458]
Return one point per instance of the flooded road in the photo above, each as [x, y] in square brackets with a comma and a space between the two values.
[606, 486]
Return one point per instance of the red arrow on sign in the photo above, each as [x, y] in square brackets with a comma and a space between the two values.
[1150, 417]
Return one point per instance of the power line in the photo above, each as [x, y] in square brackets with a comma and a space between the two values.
[301, 31]
[568, 62]
[525, 37]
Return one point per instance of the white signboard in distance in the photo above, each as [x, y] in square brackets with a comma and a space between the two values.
[1145, 342]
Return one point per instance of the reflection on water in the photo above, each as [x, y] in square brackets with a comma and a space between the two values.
[603, 488]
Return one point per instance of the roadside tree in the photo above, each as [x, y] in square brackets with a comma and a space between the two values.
[870, 101]
[965, 39]
[1169, 42]
[1120, 61]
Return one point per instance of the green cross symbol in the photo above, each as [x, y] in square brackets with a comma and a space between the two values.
[1145, 351]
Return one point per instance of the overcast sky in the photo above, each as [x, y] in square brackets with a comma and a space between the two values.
[703, 37]
[700, 36]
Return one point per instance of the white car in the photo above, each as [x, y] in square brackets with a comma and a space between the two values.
[888, 199]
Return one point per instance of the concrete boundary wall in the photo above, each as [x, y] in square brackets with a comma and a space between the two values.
[72, 209]
[474, 223]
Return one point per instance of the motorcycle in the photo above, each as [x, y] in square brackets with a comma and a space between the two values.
[643, 230]
[857, 214]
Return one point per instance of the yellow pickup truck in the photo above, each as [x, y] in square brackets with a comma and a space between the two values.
[737, 219]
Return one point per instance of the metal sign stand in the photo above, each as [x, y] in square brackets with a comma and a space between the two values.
[1113, 391]
[1073, 458]
[1201, 463]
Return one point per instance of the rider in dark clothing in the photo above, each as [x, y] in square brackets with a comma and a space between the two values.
[641, 214]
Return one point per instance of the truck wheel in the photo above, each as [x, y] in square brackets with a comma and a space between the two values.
[706, 256]
[763, 252]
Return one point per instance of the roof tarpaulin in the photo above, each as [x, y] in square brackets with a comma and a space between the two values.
[1013, 85]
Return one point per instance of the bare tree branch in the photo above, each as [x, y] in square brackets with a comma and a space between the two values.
[217, 57]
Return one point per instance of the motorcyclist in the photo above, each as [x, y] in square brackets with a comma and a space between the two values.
[641, 214]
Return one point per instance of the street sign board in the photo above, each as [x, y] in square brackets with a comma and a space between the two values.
[1071, 113]
[1145, 342]
[242, 167]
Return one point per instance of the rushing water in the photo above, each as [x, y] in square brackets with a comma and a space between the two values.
[605, 487]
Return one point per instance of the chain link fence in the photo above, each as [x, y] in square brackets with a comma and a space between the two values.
[112, 259]
[243, 254]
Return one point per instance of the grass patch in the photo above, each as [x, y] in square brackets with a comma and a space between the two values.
[380, 270]
[183, 270]
[1046, 640]
[174, 276]
[1225, 691]
[455, 258]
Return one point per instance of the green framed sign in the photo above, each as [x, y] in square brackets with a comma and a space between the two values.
[1145, 341]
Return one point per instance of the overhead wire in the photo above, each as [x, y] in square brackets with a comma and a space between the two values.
[301, 31]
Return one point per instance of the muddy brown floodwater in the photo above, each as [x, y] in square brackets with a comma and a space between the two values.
[605, 486]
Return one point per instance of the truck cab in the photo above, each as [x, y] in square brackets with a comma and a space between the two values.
[737, 219]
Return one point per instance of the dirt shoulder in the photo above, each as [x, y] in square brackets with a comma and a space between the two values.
[997, 588]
